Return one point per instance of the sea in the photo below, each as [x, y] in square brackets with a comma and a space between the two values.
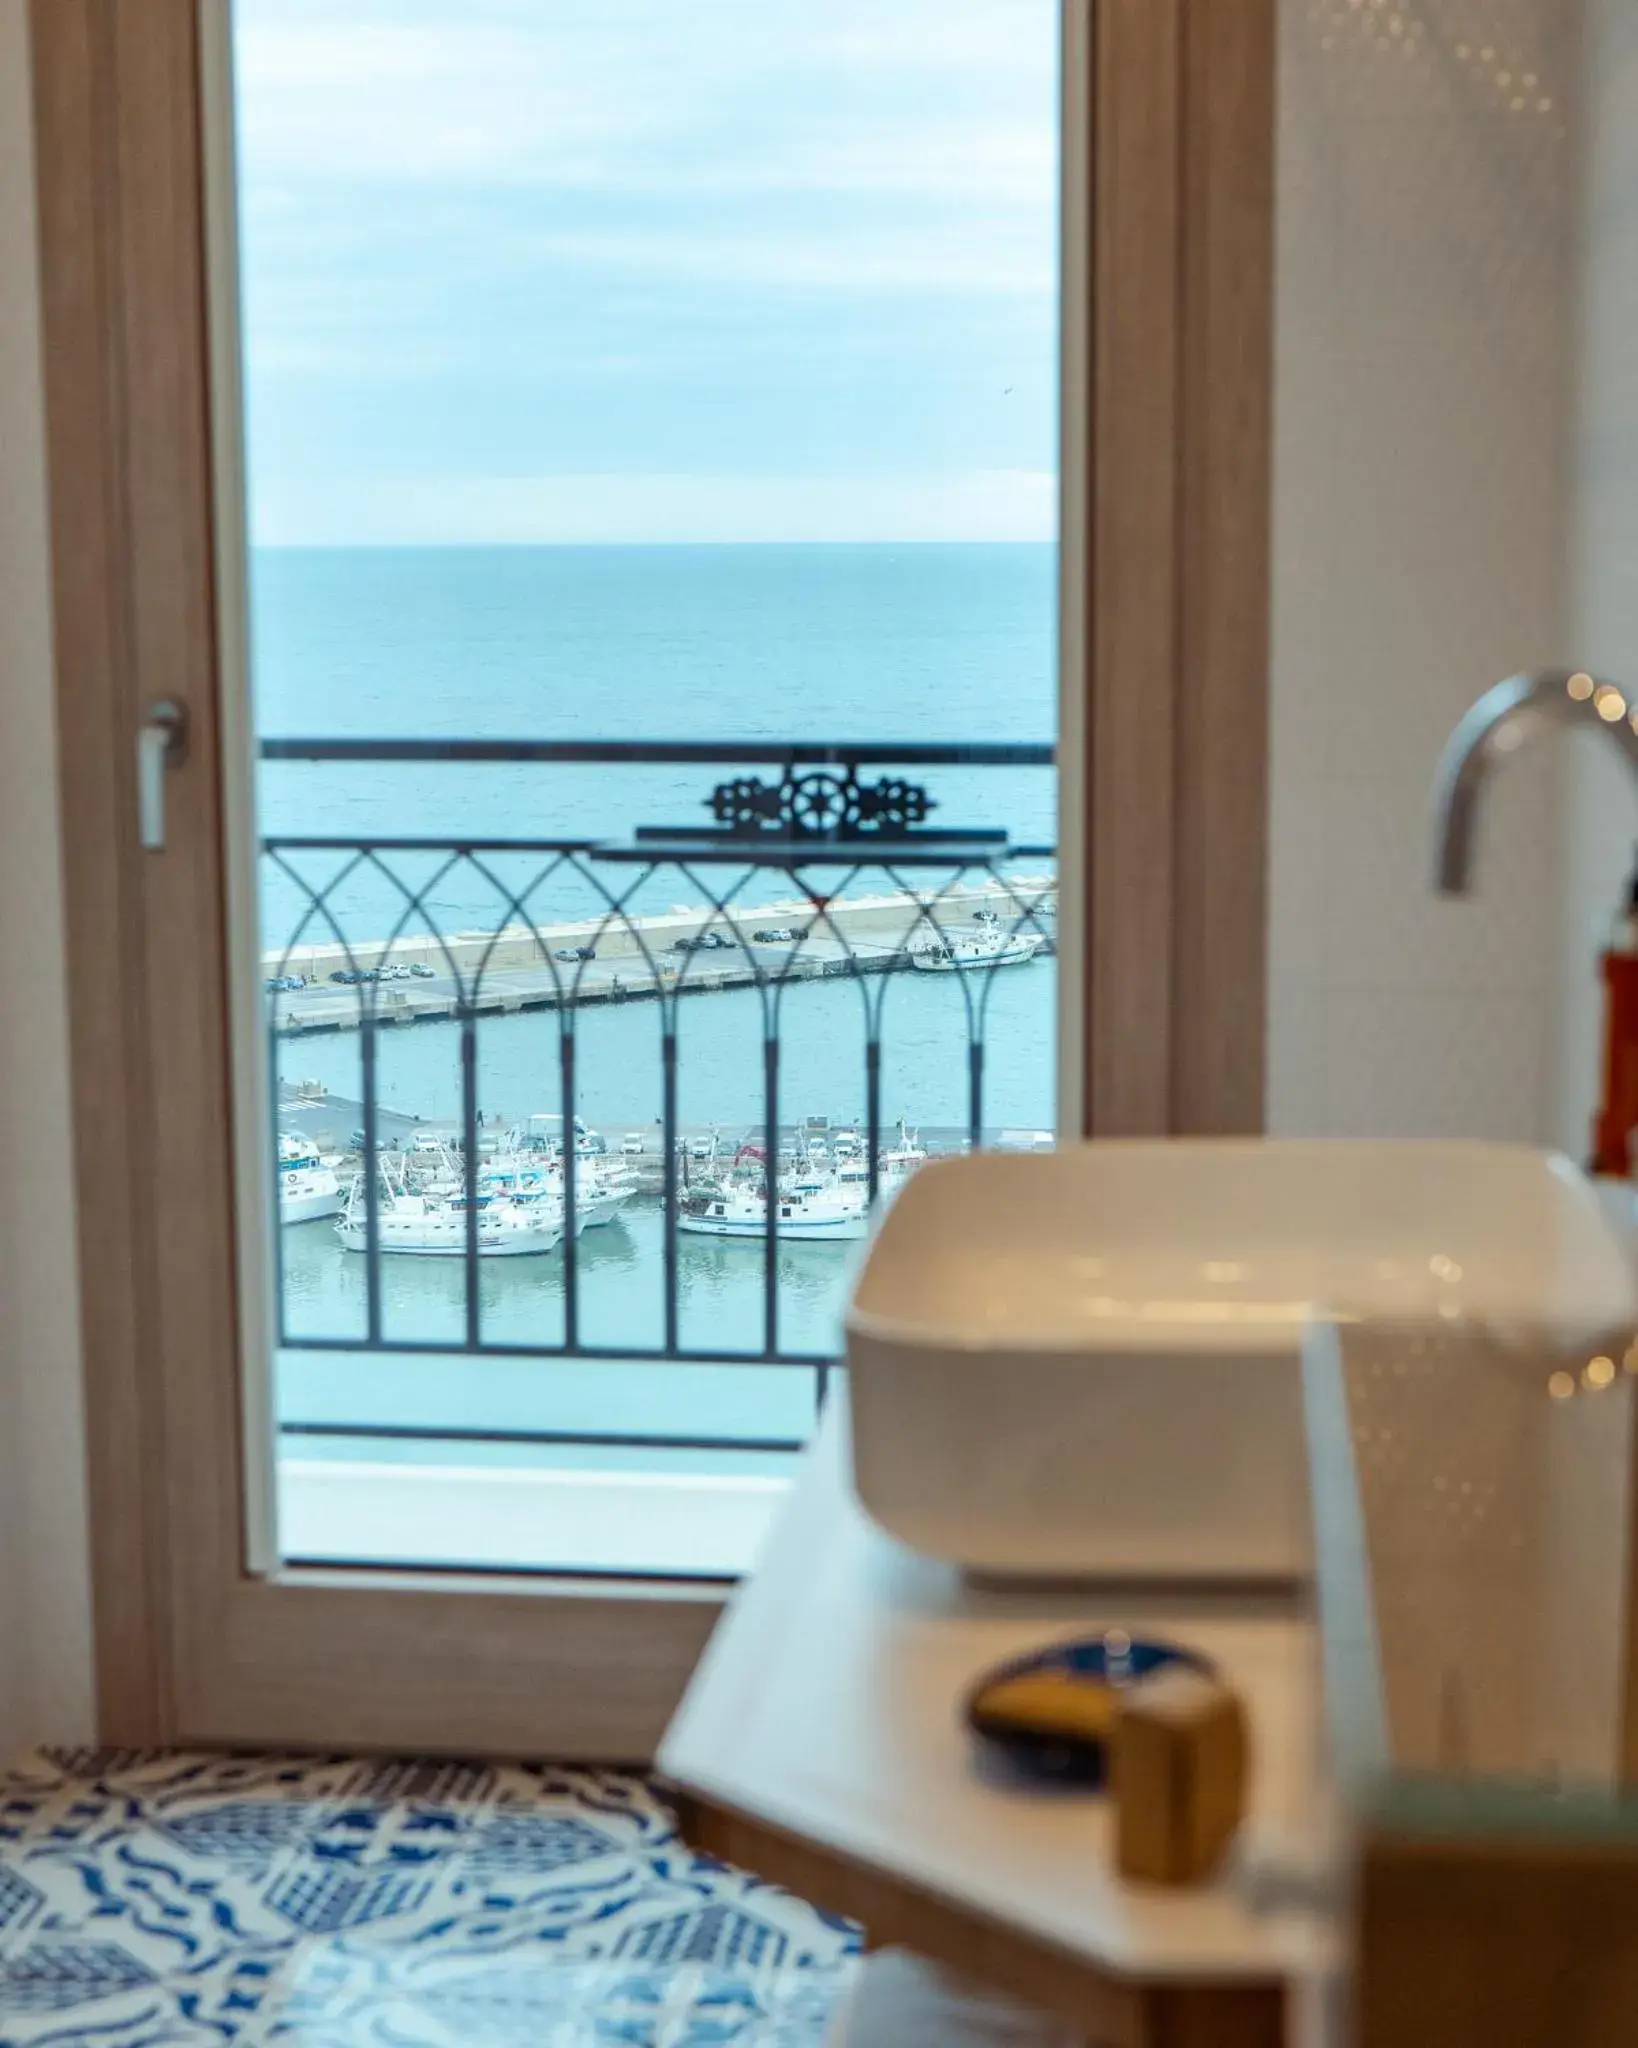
[908, 643]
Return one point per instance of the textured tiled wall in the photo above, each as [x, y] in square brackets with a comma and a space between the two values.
[1425, 324]
[1601, 810]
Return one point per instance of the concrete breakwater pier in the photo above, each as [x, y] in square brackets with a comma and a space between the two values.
[638, 956]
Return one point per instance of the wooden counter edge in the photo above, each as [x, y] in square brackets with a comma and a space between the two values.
[1112, 2011]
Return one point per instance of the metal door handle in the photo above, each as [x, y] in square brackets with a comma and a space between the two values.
[162, 742]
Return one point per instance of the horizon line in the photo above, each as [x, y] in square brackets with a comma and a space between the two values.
[427, 547]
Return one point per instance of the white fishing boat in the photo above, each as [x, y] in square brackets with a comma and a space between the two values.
[544, 1133]
[435, 1226]
[893, 1168]
[601, 1190]
[808, 1211]
[308, 1184]
[602, 1194]
[521, 1173]
[989, 943]
[902, 1161]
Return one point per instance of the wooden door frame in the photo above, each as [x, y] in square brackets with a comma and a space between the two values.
[1169, 485]
[1166, 517]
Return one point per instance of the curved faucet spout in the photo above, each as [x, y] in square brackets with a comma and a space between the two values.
[1498, 723]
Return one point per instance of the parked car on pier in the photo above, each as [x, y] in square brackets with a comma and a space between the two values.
[574, 953]
[633, 1145]
[777, 935]
[346, 975]
[421, 970]
[705, 942]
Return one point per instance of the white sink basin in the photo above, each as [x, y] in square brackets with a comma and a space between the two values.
[1088, 1361]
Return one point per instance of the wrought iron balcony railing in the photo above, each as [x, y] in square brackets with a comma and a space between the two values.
[453, 988]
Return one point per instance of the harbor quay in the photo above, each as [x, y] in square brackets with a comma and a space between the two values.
[638, 956]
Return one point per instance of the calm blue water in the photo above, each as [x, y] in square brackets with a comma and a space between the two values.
[784, 642]
[839, 642]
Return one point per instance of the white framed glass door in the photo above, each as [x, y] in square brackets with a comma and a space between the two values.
[648, 629]
[467, 1180]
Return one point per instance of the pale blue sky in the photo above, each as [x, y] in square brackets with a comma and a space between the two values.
[628, 270]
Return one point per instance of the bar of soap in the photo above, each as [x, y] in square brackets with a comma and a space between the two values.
[1049, 1712]
[1178, 1755]
[1048, 1703]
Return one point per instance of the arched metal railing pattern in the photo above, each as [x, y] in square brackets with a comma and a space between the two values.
[868, 907]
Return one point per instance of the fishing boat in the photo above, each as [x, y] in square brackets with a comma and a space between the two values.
[603, 1194]
[601, 1190]
[823, 1216]
[308, 1184]
[990, 943]
[544, 1133]
[893, 1167]
[810, 1209]
[898, 1164]
[435, 1226]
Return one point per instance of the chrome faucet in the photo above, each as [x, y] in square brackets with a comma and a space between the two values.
[1497, 724]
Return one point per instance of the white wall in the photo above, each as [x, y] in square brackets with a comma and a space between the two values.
[1424, 333]
[1601, 816]
[45, 1637]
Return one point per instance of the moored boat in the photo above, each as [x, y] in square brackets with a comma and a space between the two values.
[989, 943]
[437, 1226]
[812, 1210]
[893, 1167]
[308, 1184]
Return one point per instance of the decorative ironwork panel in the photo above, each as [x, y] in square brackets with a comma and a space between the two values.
[821, 803]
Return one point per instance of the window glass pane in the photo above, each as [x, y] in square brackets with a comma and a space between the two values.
[674, 391]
